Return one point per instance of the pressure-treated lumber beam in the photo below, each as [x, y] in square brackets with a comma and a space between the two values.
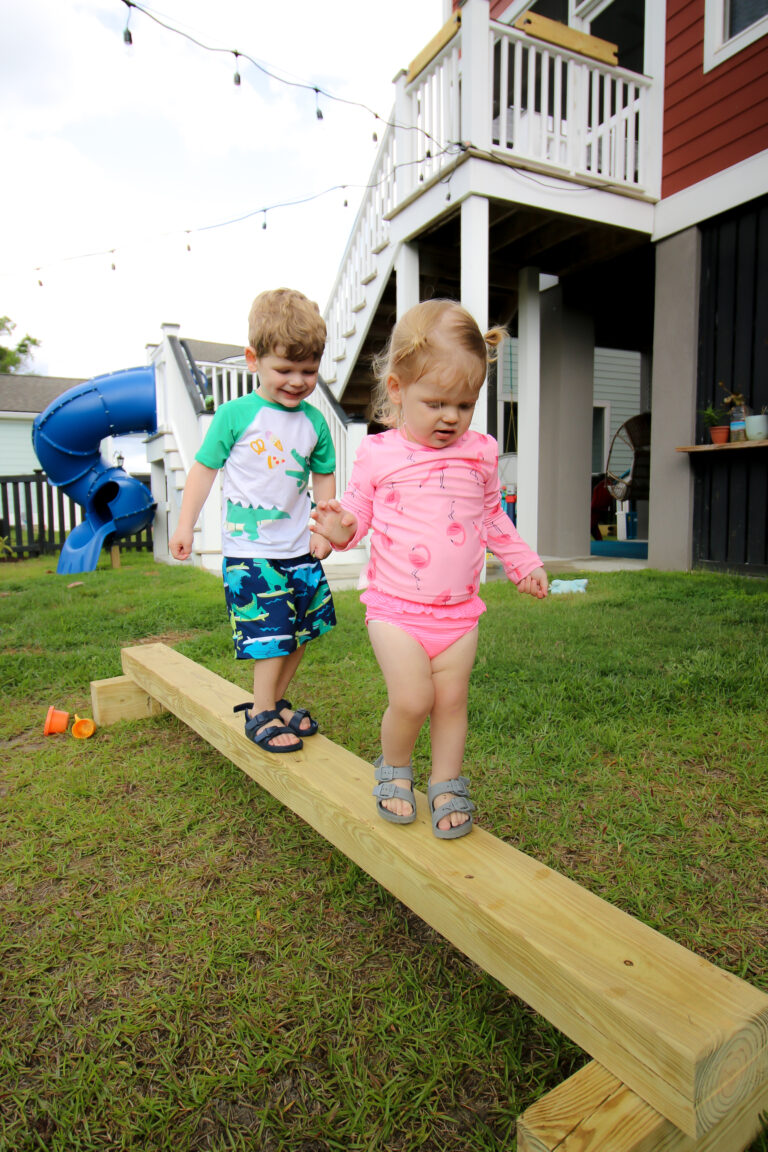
[592, 1111]
[689, 1039]
[553, 32]
[120, 698]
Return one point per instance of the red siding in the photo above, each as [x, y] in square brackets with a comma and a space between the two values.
[712, 120]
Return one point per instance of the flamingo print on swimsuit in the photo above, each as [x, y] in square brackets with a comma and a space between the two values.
[421, 557]
[456, 531]
[436, 470]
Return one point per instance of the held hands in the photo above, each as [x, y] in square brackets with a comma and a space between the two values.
[535, 584]
[318, 546]
[333, 522]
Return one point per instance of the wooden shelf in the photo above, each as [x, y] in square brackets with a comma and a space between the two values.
[724, 447]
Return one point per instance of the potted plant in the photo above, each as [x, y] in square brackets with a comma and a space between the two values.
[716, 419]
[737, 414]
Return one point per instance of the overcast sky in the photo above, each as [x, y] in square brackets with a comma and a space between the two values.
[134, 153]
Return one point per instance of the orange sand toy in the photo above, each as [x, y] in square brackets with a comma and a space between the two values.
[55, 721]
[84, 728]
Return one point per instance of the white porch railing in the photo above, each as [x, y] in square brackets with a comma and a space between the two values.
[363, 271]
[228, 381]
[545, 107]
[566, 112]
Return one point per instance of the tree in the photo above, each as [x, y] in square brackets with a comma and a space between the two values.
[12, 359]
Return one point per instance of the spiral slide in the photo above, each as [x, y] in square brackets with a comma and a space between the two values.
[66, 437]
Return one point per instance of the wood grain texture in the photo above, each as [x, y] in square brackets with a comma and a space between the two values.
[553, 32]
[435, 45]
[690, 1039]
[120, 698]
[592, 1111]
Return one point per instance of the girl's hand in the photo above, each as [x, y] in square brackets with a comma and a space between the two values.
[535, 584]
[330, 520]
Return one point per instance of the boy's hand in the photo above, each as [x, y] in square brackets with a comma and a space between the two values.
[319, 546]
[535, 584]
[333, 522]
[180, 544]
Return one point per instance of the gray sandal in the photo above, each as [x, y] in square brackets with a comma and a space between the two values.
[386, 790]
[459, 802]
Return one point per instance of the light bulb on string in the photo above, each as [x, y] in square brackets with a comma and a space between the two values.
[39, 281]
[318, 110]
[113, 266]
[127, 38]
[237, 74]
[264, 221]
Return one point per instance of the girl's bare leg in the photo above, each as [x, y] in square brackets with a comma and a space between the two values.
[407, 673]
[448, 719]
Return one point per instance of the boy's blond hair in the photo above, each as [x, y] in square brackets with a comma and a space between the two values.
[421, 333]
[284, 322]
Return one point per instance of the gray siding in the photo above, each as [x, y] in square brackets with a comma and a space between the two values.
[616, 386]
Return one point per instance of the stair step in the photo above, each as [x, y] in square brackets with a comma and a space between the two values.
[370, 275]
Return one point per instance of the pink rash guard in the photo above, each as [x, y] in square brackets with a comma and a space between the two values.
[432, 513]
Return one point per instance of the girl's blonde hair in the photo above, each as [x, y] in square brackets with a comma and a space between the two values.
[420, 335]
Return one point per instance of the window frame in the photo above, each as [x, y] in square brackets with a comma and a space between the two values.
[718, 49]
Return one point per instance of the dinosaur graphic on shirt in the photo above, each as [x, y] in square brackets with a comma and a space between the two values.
[242, 521]
[302, 476]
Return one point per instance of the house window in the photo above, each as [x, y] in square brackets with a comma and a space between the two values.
[730, 26]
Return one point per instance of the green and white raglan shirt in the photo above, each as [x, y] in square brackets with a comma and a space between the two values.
[267, 453]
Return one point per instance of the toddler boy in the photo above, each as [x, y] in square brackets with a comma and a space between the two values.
[268, 445]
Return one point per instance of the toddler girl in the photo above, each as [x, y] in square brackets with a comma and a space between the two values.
[428, 490]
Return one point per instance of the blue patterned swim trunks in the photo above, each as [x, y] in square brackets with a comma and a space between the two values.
[275, 606]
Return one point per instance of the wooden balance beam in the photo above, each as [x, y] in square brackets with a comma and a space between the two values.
[680, 1037]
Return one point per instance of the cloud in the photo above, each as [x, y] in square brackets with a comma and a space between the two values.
[136, 149]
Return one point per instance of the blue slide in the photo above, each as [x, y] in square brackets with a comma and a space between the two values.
[67, 437]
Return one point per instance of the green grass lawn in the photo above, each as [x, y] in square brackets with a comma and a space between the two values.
[186, 965]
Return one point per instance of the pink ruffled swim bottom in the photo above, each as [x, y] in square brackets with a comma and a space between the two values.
[434, 628]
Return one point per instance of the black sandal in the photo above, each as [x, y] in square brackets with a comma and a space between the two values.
[298, 715]
[264, 739]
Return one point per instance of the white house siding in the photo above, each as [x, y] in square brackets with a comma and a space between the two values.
[17, 456]
[616, 388]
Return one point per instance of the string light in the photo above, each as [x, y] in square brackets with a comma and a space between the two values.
[280, 79]
[254, 212]
[449, 149]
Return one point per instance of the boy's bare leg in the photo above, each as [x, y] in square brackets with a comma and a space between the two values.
[448, 719]
[290, 665]
[408, 676]
[268, 676]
